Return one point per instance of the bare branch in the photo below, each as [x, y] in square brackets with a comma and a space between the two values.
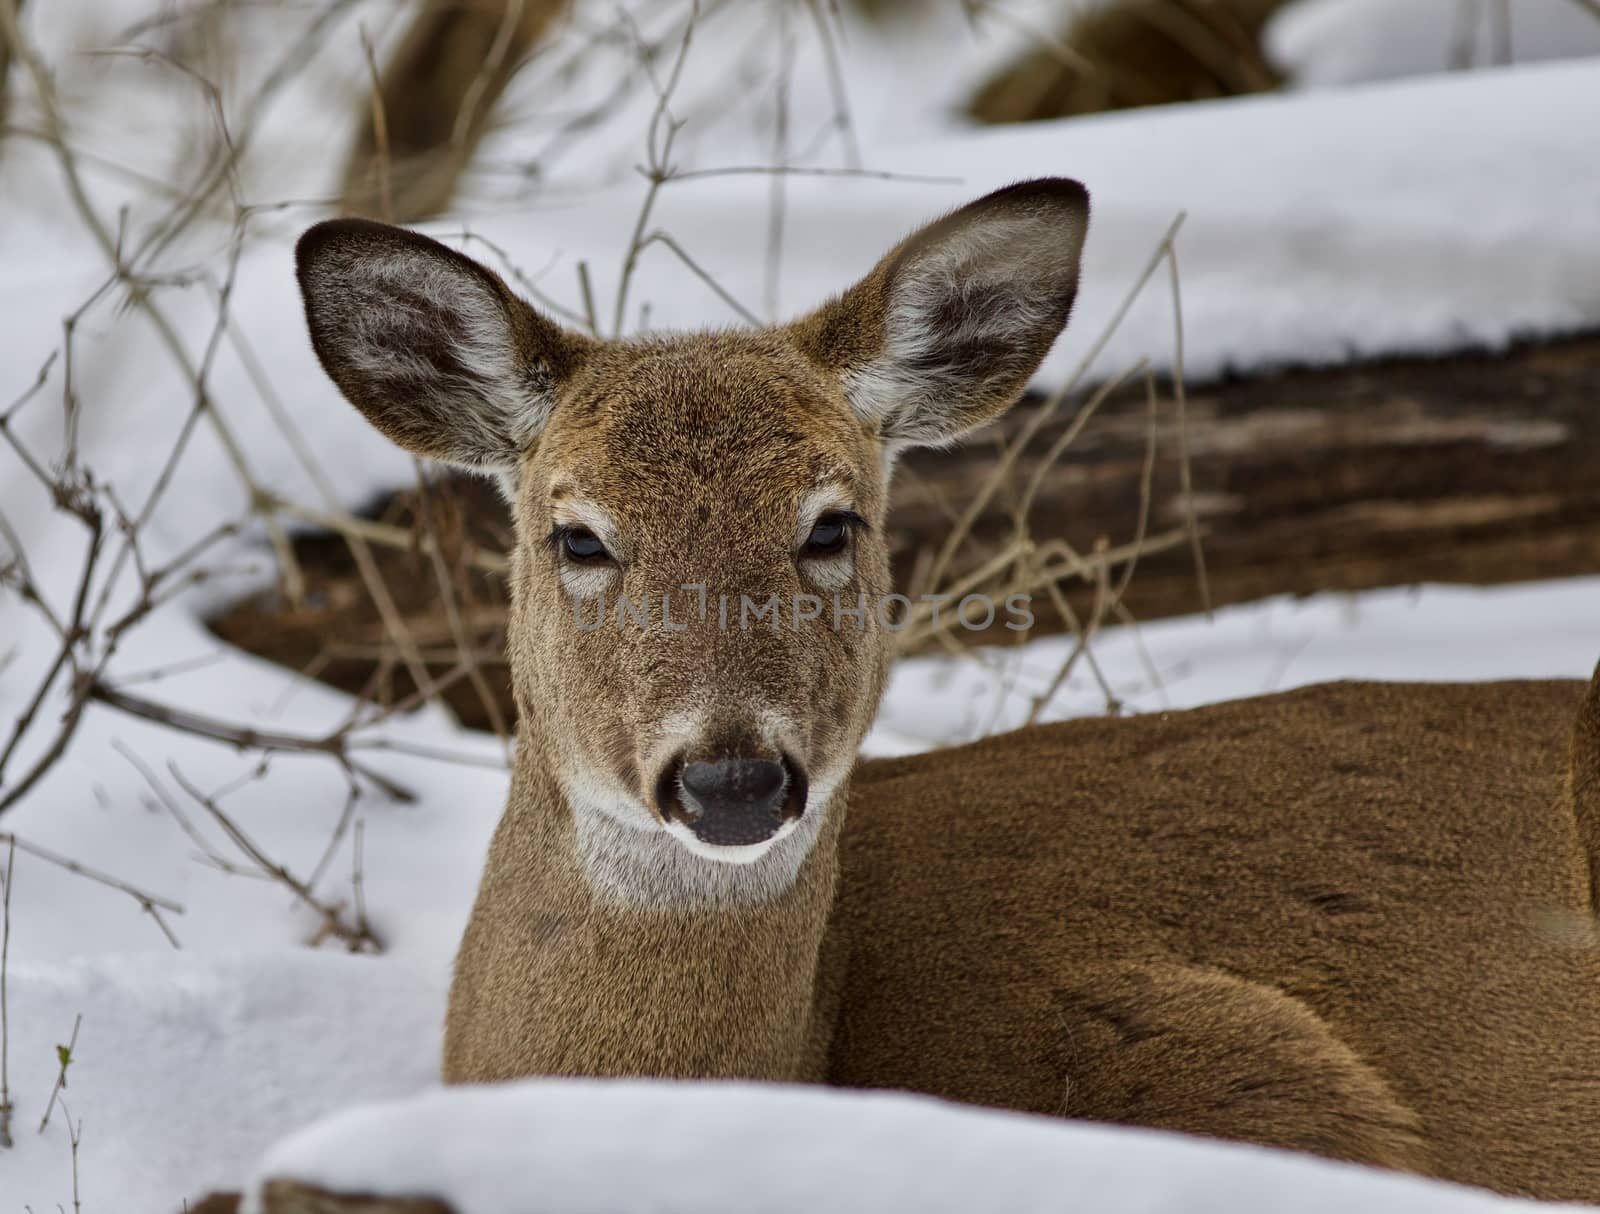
[5, 1022]
[64, 1053]
[663, 129]
[335, 746]
[1181, 391]
[358, 938]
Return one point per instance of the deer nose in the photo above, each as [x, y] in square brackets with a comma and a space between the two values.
[734, 802]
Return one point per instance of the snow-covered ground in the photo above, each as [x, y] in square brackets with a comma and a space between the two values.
[578, 1147]
[1332, 42]
[1414, 215]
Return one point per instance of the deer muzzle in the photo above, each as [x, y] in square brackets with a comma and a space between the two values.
[732, 802]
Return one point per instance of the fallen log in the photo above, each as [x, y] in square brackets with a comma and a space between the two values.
[1473, 469]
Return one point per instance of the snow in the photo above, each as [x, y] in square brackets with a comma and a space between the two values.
[1319, 228]
[1416, 216]
[1546, 630]
[187, 1064]
[1321, 43]
[1401, 217]
[587, 1147]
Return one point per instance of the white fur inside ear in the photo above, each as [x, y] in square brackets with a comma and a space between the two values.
[966, 307]
[445, 341]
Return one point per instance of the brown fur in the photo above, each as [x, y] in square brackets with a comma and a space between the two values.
[1340, 919]
[1585, 781]
[1352, 920]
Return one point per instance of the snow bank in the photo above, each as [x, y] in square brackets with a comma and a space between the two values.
[1412, 217]
[1549, 630]
[1422, 216]
[1416, 217]
[1332, 42]
[185, 1067]
[577, 1147]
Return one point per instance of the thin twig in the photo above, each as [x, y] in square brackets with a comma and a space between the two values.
[659, 137]
[336, 746]
[75, 1137]
[790, 170]
[357, 938]
[358, 879]
[64, 1056]
[150, 903]
[700, 272]
[591, 318]
[452, 610]
[778, 184]
[1045, 412]
[530, 283]
[1180, 390]
[388, 535]
[380, 130]
[836, 85]
[1147, 476]
[166, 800]
[5, 1023]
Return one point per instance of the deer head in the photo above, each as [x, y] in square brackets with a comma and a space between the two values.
[697, 638]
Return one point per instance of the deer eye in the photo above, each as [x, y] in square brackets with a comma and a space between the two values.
[829, 534]
[580, 546]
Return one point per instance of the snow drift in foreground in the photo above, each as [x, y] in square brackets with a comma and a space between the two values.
[587, 1147]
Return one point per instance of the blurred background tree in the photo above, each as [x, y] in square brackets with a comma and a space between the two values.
[1133, 53]
[434, 101]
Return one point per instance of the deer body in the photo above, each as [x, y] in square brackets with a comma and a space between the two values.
[1353, 919]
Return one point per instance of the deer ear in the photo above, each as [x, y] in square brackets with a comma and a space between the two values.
[432, 347]
[949, 328]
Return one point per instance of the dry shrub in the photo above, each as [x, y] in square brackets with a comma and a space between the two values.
[434, 102]
[1134, 53]
[5, 66]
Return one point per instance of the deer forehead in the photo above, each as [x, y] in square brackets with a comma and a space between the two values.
[701, 427]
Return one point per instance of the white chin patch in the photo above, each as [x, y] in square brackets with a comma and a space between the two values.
[747, 853]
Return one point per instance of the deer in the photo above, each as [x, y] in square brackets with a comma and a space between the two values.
[1355, 919]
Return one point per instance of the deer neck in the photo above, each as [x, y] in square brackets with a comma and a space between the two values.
[646, 959]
